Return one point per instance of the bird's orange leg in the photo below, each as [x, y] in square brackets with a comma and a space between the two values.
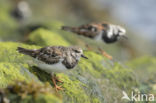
[105, 54]
[54, 81]
[57, 79]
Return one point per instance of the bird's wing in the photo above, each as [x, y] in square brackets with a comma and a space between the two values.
[50, 55]
[87, 30]
[104, 26]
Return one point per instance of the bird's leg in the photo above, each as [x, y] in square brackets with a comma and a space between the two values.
[54, 81]
[105, 54]
[57, 79]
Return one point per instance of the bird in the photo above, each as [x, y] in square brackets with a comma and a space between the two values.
[109, 33]
[55, 59]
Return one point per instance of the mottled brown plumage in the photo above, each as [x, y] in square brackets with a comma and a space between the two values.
[68, 56]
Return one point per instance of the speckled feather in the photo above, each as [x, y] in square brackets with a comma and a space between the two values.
[54, 55]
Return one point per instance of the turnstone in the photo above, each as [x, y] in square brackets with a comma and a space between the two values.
[109, 33]
[55, 59]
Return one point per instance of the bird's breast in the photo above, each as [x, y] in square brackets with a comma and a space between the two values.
[49, 68]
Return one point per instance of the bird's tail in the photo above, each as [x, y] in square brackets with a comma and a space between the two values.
[26, 51]
[67, 28]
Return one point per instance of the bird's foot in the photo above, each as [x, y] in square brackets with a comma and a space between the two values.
[57, 88]
[54, 80]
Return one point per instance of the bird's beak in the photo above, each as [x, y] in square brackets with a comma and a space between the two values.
[125, 37]
[83, 56]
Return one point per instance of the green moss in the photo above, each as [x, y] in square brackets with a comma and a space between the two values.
[10, 72]
[73, 90]
[45, 38]
[13, 65]
[100, 67]
[143, 62]
[91, 70]
[95, 100]
[48, 98]
[145, 68]
[92, 65]
[122, 77]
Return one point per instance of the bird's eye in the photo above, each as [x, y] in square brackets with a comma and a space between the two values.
[91, 28]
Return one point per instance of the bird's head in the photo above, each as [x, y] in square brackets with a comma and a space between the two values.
[113, 33]
[78, 53]
[121, 32]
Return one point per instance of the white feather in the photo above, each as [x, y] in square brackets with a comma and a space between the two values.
[50, 68]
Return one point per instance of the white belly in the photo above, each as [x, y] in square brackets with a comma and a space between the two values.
[50, 68]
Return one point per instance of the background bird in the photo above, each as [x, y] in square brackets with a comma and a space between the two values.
[22, 10]
[109, 33]
[55, 59]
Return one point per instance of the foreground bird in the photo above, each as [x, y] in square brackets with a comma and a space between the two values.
[55, 59]
[109, 33]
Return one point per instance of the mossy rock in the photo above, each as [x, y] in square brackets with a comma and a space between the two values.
[12, 71]
[100, 67]
[44, 37]
[12, 64]
[90, 77]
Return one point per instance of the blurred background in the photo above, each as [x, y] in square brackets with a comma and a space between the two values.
[19, 17]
